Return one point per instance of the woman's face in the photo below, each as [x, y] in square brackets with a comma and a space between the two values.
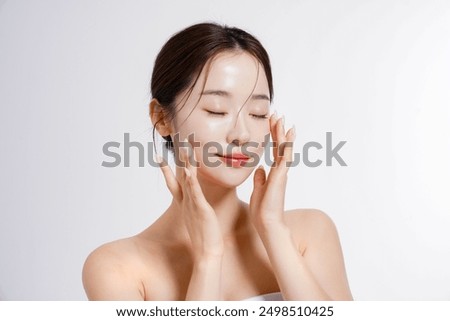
[226, 118]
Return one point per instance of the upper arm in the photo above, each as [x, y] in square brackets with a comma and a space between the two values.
[106, 276]
[324, 255]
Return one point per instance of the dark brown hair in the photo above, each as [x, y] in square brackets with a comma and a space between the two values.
[181, 60]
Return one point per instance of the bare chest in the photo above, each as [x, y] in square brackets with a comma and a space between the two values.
[246, 272]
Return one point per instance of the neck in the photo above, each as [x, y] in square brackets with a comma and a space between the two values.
[229, 209]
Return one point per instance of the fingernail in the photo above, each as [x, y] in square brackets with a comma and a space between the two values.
[158, 160]
[185, 145]
[293, 131]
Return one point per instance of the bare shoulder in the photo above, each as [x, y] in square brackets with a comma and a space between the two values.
[309, 225]
[111, 272]
[318, 241]
[309, 219]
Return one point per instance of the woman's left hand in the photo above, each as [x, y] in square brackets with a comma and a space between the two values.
[267, 200]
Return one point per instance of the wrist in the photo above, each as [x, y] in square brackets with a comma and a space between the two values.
[208, 257]
[207, 261]
[275, 233]
[277, 238]
[272, 227]
[207, 250]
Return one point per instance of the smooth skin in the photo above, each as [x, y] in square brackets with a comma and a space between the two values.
[210, 245]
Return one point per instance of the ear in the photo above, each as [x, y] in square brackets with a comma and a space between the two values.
[159, 119]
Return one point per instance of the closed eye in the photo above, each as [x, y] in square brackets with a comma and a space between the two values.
[215, 113]
[259, 116]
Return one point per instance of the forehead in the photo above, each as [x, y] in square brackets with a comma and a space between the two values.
[237, 72]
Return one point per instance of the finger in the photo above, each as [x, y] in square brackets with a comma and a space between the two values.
[181, 154]
[192, 160]
[281, 138]
[185, 185]
[181, 174]
[193, 186]
[259, 179]
[287, 151]
[273, 125]
[194, 190]
[181, 170]
[190, 170]
[171, 181]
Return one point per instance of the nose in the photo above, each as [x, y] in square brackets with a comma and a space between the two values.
[238, 134]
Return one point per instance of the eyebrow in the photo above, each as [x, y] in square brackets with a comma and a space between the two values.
[223, 93]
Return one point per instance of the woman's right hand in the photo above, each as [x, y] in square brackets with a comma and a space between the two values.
[199, 217]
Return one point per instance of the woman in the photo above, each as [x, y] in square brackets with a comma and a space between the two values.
[212, 89]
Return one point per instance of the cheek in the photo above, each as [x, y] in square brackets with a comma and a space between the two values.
[203, 128]
[260, 132]
[206, 137]
[263, 137]
[193, 131]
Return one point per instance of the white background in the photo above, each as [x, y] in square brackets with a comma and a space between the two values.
[75, 75]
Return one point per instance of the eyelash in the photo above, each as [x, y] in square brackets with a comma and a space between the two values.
[223, 114]
[260, 116]
[215, 113]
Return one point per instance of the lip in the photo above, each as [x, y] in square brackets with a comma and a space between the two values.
[235, 156]
[235, 159]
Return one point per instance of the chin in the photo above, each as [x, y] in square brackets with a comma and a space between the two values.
[223, 176]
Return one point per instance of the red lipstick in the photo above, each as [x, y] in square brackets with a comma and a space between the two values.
[235, 159]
